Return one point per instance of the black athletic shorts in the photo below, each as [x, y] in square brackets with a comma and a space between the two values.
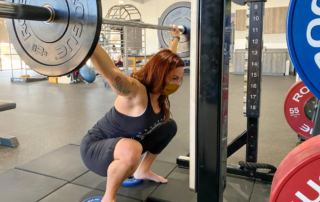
[97, 151]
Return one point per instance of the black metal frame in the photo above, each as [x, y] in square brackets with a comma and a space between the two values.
[212, 105]
[316, 119]
[267, 177]
[250, 136]
[237, 143]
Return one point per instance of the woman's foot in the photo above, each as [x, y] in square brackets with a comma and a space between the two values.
[104, 199]
[150, 176]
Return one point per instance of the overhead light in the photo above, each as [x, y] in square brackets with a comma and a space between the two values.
[121, 2]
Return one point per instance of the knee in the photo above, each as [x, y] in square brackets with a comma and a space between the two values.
[129, 152]
[133, 155]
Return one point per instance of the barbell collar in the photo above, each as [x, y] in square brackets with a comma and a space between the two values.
[26, 12]
[182, 29]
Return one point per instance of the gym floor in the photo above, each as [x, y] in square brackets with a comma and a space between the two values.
[50, 116]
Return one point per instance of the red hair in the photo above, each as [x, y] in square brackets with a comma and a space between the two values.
[157, 73]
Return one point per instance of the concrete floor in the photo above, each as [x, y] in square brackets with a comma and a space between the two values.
[49, 116]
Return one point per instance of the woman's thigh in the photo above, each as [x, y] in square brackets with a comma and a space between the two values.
[97, 152]
[158, 139]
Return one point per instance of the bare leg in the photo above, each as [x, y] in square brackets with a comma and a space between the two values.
[144, 172]
[126, 159]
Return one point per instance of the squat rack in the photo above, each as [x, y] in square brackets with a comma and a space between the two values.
[210, 94]
[209, 97]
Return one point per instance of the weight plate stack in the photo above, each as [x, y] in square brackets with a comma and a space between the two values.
[299, 109]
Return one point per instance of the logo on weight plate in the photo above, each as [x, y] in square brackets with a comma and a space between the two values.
[39, 50]
[23, 26]
[304, 90]
[76, 32]
[24, 30]
[305, 128]
[314, 186]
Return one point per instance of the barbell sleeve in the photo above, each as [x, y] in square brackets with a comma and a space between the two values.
[25, 12]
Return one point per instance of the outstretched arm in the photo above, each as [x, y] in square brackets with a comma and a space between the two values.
[121, 84]
[174, 45]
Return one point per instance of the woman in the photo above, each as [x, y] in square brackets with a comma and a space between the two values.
[139, 122]
[116, 57]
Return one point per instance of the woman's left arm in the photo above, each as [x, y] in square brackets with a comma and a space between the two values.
[174, 45]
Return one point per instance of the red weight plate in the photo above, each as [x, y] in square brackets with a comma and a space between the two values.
[298, 178]
[296, 151]
[298, 98]
[303, 185]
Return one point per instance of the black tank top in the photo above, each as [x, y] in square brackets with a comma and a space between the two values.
[115, 124]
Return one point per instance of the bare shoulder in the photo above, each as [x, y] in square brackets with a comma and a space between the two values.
[141, 89]
[134, 81]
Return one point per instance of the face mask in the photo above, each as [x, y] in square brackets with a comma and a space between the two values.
[169, 89]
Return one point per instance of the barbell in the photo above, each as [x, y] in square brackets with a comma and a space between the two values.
[56, 37]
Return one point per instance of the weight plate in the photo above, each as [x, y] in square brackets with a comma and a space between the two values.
[297, 179]
[131, 182]
[94, 199]
[178, 14]
[299, 108]
[303, 41]
[60, 47]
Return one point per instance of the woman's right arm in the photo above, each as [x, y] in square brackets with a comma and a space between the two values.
[121, 84]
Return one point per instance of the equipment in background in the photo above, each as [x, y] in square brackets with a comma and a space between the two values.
[298, 174]
[252, 90]
[127, 12]
[300, 109]
[87, 73]
[75, 78]
[9, 141]
[61, 36]
[123, 40]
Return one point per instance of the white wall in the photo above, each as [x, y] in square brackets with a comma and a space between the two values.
[268, 4]
[151, 11]
[271, 41]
